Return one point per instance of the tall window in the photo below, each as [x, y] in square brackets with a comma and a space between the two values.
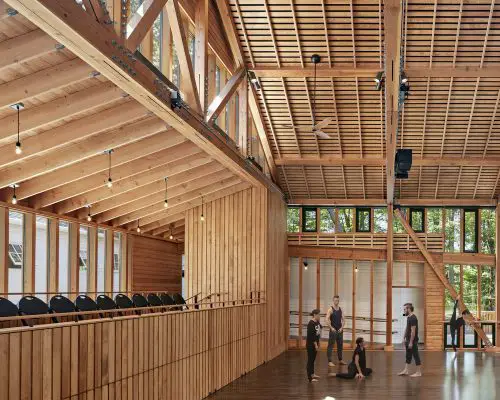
[101, 260]
[157, 35]
[63, 277]
[237, 118]
[488, 274]
[217, 86]
[345, 219]
[83, 259]
[380, 220]
[488, 227]
[327, 220]
[117, 261]
[397, 226]
[452, 229]
[363, 220]
[176, 68]
[41, 256]
[417, 219]
[16, 255]
[192, 49]
[453, 275]
[470, 231]
[434, 220]
[293, 219]
[309, 220]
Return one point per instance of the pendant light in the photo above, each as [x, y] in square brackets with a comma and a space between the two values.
[165, 204]
[18, 107]
[202, 217]
[138, 227]
[171, 230]
[89, 217]
[109, 183]
[14, 198]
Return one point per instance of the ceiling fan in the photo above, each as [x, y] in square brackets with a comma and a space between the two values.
[315, 128]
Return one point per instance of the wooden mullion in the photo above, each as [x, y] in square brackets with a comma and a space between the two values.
[29, 253]
[4, 249]
[201, 52]
[53, 256]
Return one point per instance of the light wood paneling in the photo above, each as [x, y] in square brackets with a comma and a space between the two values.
[434, 310]
[156, 265]
[177, 355]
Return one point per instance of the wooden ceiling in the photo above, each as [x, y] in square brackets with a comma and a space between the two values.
[72, 116]
[450, 55]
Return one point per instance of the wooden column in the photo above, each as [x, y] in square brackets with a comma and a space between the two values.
[166, 45]
[354, 278]
[201, 53]
[388, 313]
[300, 301]
[53, 255]
[29, 252]
[74, 256]
[243, 117]
[497, 274]
[92, 262]
[124, 260]
[212, 65]
[109, 262]
[130, 260]
[4, 249]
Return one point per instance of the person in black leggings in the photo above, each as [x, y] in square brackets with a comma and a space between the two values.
[357, 367]
[312, 344]
[456, 324]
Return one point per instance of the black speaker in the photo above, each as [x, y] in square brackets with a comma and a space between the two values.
[402, 163]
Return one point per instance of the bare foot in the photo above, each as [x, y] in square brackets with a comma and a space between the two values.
[330, 364]
[342, 362]
[416, 375]
[332, 374]
[316, 376]
[403, 372]
[313, 380]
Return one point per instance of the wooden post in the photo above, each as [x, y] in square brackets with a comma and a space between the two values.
[166, 45]
[108, 262]
[4, 249]
[201, 53]
[354, 279]
[53, 255]
[92, 261]
[124, 261]
[388, 313]
[318, 282]
[243, 117]
[300, 302]
[29, 253]
[497, 275]
[372, 279]
[74, 256]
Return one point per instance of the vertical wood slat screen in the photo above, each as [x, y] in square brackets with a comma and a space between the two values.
[226, 253]
[179, 355]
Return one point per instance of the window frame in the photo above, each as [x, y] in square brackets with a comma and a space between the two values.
[476, 229]
[358, 212]
[417, 210]
[304, 210]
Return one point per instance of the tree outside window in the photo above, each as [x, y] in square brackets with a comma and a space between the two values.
[488, 226]
[345, 219]
[434, 220]
[363, 219]
[452, 230]
[397, 226]
[380, 220]
[309, 220]
[293, 219]
[327, 220]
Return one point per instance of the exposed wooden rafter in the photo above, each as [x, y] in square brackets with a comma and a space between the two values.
[141, 22]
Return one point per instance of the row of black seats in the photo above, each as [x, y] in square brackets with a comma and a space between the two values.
[31, 305]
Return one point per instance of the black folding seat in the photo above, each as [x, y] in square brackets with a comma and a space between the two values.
[180, 301]
[8, 309]
[122, 301]
[167, 300]
[139, 301]
[105, 303]
[31, 305]
[59, 305]
[154, 300]
[85, 303]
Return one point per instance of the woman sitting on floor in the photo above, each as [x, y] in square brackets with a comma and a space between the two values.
[357, 367]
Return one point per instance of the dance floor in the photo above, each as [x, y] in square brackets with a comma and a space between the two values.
[446, 375]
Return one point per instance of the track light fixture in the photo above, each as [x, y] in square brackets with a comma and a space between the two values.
[378, 80]
[109, 183]
[165, 204]
[138, 227]
[14, 198]
[89, 217]
[202, 217]
[254, 80]
[18, 107]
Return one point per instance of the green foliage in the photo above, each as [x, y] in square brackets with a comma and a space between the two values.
[157, 33]
[293, 219]
[417, 220]
[397, 226]
[470, 239]
[434, 220]
[487, 288]
[488, 227]
[452, 230]
[309, 215]
[327, 220]
[380, 220]
[363, 223]
[346, 219]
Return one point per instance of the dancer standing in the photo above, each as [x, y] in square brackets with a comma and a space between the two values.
[312, 344]
[335, 321]
[411, 341]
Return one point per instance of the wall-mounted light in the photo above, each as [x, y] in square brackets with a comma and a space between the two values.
[14, 197]
[109, 183]
[18, 107]
[379, 79]
[165, 203]
[254, 80]
[89, 217]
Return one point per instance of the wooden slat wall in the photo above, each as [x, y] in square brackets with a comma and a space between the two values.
[179, 355]
[226, 253]
[278, 271]
[434, 310]
[156, 265]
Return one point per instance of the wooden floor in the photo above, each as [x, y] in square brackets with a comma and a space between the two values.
[469, 375]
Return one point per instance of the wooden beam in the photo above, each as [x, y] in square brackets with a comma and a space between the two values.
[438, 270]
[59, 109]
[23, 48]
[142, 21]
[469, 71]
[73, 131]
[392, 34]
[389, 274]
[39, 165]
[188, 82]
[201, 52]
[29, 251]
[231, 32]
[402, 202]
[43, 81]
[337, 202]
[497, 262]
[225, 94]
[359, 71]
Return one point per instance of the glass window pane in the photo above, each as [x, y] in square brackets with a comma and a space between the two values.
[309, 220]
[434, 220]
[488, 226]
[453, 274]
[41, 256]
[345, 219]
[380, 220]
[176, 68]
[117, 261]
[83, 259]
[327, 220]
[469, 290]
[397, 226]
[157, 50]
[16, 258]
[417, 219]
[101, 259]
[470, 231]
[452, 229]
[237, 119]
[363, 219]
[488, 293]
[63, 277]
[293, 219]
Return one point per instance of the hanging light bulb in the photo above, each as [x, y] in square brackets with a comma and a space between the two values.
[138, 227]
[89, 217]
[202, 217]
[355, 268]
[14, 197]
[18, 107]
[165, 204]
[109, 183]
[171, 237]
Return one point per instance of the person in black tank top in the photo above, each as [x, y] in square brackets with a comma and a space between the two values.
[411, 342]
[335, 323]
[357, 367]
[312, 344]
